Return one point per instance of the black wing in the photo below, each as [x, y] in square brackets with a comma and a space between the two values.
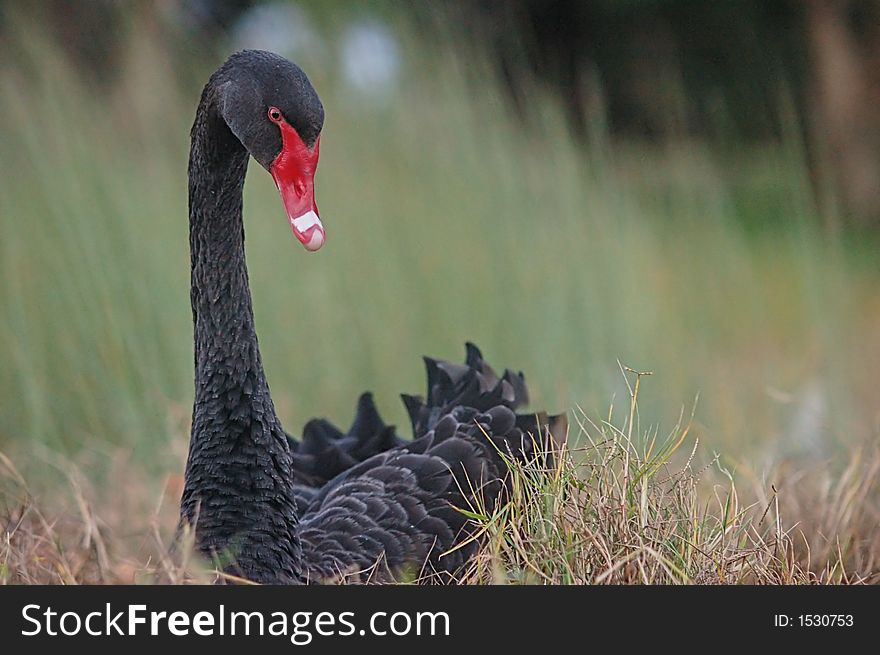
[396, 513]
[325, 451]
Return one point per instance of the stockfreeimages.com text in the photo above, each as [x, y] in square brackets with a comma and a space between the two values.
[300, 627]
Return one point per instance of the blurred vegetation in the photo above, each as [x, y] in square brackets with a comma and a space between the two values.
[558, 249]
[654, 69]
[667, 68]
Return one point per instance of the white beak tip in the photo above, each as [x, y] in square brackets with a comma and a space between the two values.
[309, 230]
[316, 240]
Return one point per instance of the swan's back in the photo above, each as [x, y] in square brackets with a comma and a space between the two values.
[374, 507]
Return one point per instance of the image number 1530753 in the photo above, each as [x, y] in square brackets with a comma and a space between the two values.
[813, 621]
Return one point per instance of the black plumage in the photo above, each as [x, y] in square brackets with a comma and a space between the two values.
[363, 504]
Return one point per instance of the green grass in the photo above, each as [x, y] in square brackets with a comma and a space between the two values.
[447, 221]
[628, 506]
[632, 507]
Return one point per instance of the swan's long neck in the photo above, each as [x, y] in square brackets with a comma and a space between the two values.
[238, 475]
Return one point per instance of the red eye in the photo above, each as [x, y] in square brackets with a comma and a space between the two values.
[274, 115]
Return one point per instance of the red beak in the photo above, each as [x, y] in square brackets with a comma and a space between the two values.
[294, 173]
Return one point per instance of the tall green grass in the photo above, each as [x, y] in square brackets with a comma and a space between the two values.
[448, 220]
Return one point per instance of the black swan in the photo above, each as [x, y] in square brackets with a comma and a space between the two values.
[363, 505]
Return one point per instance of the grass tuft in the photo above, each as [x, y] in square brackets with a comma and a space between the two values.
[609, 509]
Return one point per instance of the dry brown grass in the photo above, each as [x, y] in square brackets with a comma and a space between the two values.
[606, 515]
[612, 512]
[608, 511]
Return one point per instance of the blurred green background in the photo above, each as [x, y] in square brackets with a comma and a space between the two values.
[671, 185]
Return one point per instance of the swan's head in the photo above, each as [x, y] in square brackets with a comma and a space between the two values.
[272, 108]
